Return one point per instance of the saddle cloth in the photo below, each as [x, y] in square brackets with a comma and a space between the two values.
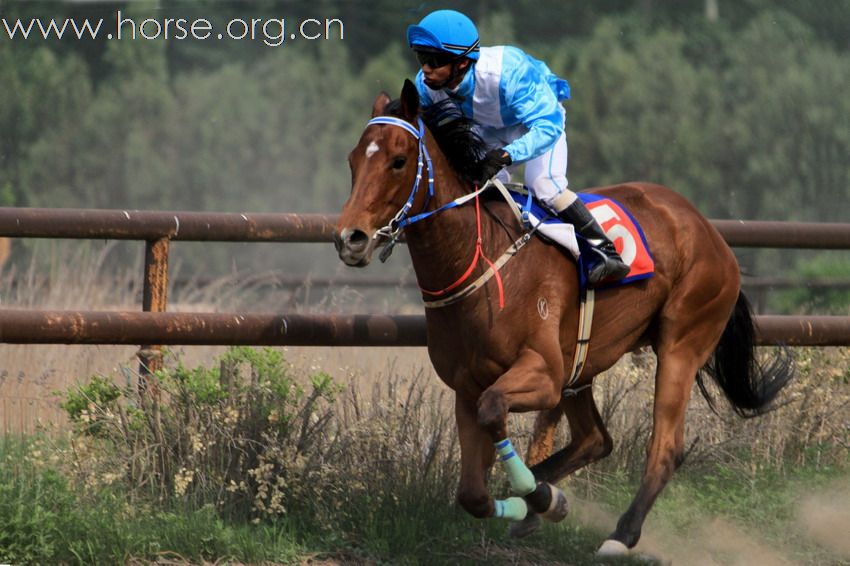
[620, 226]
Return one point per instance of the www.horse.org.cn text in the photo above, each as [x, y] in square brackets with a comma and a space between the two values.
[273, 32]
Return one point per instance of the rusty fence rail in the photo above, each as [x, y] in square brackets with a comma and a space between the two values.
[270, 227]
[155, 326]
[99, 224]
[166, 328]
[18, 326]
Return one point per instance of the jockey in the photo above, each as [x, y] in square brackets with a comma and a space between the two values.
[514, 102]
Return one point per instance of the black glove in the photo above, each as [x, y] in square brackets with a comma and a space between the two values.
[494, 161]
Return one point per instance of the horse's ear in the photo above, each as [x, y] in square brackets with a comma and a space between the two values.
[380, 103]
[409, 101]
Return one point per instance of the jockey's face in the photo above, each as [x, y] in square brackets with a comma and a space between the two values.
[445, 76]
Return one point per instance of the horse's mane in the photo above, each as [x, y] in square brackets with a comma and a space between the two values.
[454, 134]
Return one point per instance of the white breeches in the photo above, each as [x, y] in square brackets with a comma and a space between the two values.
[546, 176]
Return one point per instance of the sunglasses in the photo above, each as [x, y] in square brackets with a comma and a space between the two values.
[434, 60]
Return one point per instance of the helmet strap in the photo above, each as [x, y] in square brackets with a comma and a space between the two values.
[455, 73]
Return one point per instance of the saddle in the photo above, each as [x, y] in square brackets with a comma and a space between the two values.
[621, 227]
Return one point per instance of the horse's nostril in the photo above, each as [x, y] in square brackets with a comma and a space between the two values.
[358, 240]
[351, 240]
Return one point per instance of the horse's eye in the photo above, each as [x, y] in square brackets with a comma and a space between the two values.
[399, 162]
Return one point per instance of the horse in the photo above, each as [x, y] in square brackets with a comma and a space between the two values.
[502, 352]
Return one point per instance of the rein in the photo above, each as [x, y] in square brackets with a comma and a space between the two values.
[401, 219]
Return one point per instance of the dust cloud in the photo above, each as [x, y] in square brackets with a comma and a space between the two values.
[822, 520]
[825, 518]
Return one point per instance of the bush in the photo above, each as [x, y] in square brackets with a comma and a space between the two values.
[253, 441]
[91, 404]
[31, 506]
[230, 435]
[823, 267]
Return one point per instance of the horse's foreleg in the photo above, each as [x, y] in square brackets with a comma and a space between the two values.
[527, 386]
[589, 441]
[477, 454]
[476, 457]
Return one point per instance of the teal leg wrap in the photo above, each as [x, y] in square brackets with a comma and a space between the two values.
[513, 508]
[522, 480]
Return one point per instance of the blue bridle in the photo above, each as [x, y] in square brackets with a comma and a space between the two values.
[400, 220]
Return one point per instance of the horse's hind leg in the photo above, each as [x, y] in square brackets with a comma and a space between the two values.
[589, 439]
[674, 379]
[687, 336]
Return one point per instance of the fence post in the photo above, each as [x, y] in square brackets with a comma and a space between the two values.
[154, 299]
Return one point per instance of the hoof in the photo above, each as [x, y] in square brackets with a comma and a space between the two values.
[612, 547]
[521, 529]
[559, 507]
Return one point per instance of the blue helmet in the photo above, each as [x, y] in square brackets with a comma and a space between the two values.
[446, 30]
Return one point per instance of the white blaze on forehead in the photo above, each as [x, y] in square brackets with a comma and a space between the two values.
[372, 149]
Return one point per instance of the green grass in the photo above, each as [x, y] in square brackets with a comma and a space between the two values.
[266, 466]
[43, 520]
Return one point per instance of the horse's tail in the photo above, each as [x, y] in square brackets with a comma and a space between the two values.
[749, 385]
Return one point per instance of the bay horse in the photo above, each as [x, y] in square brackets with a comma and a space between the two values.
[501, 352]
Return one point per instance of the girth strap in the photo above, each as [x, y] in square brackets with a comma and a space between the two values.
[585, 322]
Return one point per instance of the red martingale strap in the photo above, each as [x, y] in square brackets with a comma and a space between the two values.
[479, 253]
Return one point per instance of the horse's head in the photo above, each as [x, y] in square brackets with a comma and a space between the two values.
[383, 172]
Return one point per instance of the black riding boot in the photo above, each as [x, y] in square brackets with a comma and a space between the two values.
[610, 266]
